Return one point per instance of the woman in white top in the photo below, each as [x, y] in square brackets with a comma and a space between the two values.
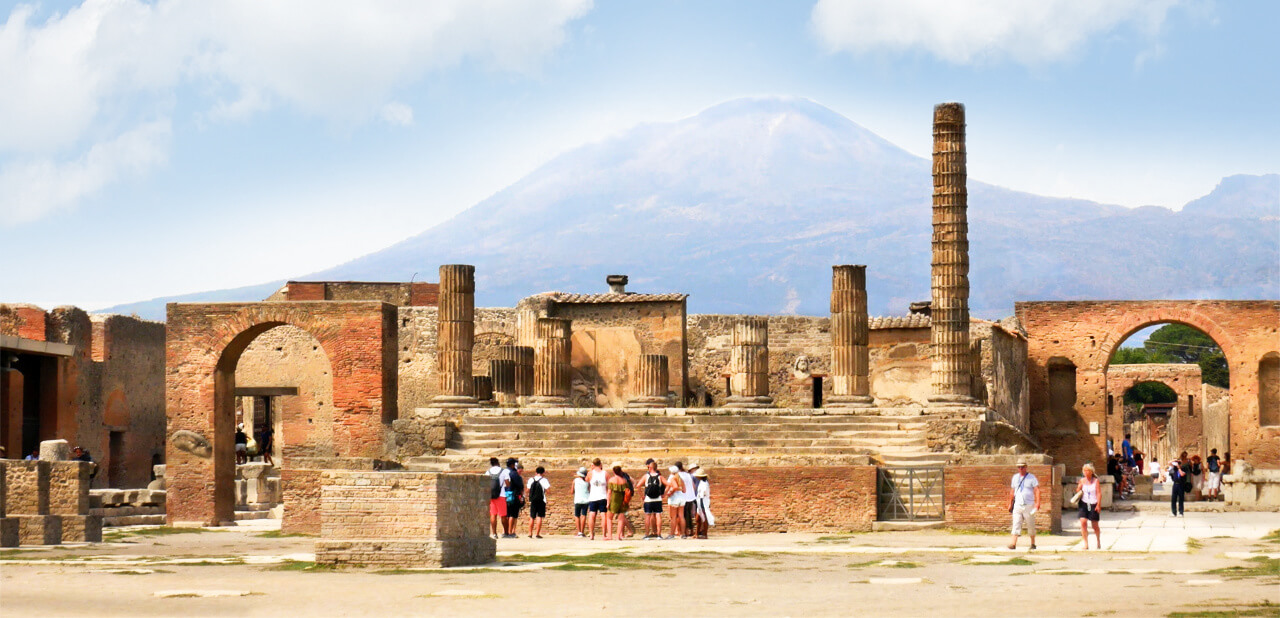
[675, 500]
[1090, 491]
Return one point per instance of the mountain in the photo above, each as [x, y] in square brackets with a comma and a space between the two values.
[746, 206]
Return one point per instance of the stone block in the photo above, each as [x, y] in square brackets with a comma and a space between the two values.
[81, 528]
[155, 497]
[112, 497]
[39, 529]
[8, 532]
[69, 487]
[26, 487]
[129, 496]
[156, 485]
[55, 450]
[95, 499]
[252, 470]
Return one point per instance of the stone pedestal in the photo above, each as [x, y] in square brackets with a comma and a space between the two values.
[55, 450]
[8, 532]
[950, 266]
[455, 328]
[39, 529]
[850, 358]
[652, 383]
[483, 388]
[551, 364]
[749, 364]
[502, 376]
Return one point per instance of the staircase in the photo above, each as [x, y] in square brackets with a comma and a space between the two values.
[895, 441]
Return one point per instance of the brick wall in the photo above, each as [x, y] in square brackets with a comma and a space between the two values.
[976, 497]
[300, 489]
[1086, 333]
[26, 487]
[69, 487]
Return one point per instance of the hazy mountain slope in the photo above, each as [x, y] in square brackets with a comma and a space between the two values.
[747, 205]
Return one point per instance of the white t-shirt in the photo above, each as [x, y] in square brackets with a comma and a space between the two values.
[546, 485]
[581, 490]
[644, 482]
[1027, 493]
[599, 485]
[493, 471]
[687, 496]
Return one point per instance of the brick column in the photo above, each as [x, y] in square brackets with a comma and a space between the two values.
[749, 362]
[652, 382]
[455, 328]
[551, 364]
[850, 359]
[502, 373]
[950, 308]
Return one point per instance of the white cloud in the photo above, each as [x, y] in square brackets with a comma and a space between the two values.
[332, 59]
[31, 188]
[1024, 31]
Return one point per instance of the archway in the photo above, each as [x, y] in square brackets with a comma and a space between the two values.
[205, 343]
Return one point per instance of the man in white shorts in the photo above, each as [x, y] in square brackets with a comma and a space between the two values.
[1024, 501]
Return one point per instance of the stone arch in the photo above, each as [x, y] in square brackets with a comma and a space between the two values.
[204, 345]
[1269, 390]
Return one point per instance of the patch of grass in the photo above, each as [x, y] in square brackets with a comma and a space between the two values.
[615, 559]
[276, 534]
[576, 567]
[1194, 544]
[1273, 536]
[901, 565]
[1015, 561]
[1265, 609]
[751, 554]
[1105, 612]
[115, 535]
[968, 532]
[1262, 567]
[303, 566]
[1061, 573]
[140, 572]
[488, 595]
[860, 565]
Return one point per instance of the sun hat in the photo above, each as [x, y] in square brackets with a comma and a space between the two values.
[1022, 462]
[702, 474]
[582, 471]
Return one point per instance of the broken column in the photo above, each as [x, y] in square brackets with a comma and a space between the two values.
[652, 382]
[749, 364]
[502, 374]
[950, 304]
[521, 358]
[551, 364]
[850, 358]
[455, 329]
[482, 386]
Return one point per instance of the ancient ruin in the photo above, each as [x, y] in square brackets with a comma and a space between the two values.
[378, 394]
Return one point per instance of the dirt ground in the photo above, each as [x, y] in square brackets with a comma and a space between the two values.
[253, 571]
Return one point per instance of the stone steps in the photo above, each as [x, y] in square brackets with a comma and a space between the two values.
[606, 444]
[888, 436]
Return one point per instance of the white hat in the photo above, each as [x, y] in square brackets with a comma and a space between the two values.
[582, 471]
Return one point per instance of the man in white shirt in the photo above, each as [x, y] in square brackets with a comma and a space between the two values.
[688, 498]
[1024, 501]
[598, 494]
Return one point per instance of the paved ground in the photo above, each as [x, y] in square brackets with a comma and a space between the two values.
[1151, 566]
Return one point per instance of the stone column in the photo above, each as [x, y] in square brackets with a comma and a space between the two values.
[551, 364]
[950, 303]
[521, 357]
[749, 363]
[850, 359]
[502, 373]
[652, 382]
[455, 336]
[482, 386]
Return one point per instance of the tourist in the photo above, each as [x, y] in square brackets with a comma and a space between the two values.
[1213, 483]
[33, 456]
[1090, 489]
[654, 487]
[1126, 450]
[1197, 478]
[1184, 463]
[264, 444]
[675, 502]
[242, 445]
[619, 496]
[686, 480]
[512, 492]
[1153, 468]
[1138, 462]
[627, 529]
[1177, 494]
[1024, 501]
[703, 503]
[1113, 469]
[497, 502]
[581, 498]
[1226, 463]
[598, 496]
[537, 492]
[79, 454]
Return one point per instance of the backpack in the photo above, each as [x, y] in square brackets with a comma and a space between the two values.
[653, 486]
[1195, 468]
[516, 486]
[1175, 474]
[495, 488]
[1213, 464]
[536, 493]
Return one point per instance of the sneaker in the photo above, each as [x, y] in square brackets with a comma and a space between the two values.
[538, 537]
[1013, 547]
[1033, 546]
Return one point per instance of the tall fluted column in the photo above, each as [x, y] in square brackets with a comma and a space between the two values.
[950, 308]
[850, 359]
[749, 363]
[521, 356]
[455, 335]
[502, 372]
[652, 382]
[551, 364]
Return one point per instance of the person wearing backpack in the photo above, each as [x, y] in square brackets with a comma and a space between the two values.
[497, 503]
[1197, 478]
[513, 493]
[654, 488]
[1213, 484]
[1178, 495]
[537, 492]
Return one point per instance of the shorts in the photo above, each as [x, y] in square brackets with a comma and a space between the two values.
[580, 509]
[1022, 515]
[513, 508]
[498, 506]
[242, 448]
[1214, 481]
[598, 506]
[675, 502]
[537, 509]
[1088, 512]
[653, 508]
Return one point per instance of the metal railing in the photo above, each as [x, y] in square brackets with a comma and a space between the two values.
[909, 494]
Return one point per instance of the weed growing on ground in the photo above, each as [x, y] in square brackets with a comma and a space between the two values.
[116, 535]
[1262, 567]
[303, 566]
[603, 559]
[1273, 536]
[1010, 562]
[276, 534]
[1194, 544]
[1265, 609]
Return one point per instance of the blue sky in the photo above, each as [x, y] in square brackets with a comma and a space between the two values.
[157, 148]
